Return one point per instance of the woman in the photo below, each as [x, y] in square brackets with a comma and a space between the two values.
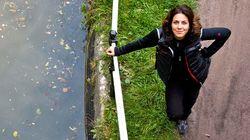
[180, 61]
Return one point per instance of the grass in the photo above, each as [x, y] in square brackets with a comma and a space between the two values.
[143, 92]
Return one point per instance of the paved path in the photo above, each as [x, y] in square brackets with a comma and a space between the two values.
[222, 111]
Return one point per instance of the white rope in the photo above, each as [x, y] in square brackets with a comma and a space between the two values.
[117, 82]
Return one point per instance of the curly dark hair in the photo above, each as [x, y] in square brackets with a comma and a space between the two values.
[194, 20]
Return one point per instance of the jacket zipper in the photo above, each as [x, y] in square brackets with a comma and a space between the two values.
[179, 57]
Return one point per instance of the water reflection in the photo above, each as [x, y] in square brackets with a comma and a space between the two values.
[41, 70]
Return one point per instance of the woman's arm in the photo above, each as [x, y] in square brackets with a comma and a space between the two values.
[149, 40]
[219, 35]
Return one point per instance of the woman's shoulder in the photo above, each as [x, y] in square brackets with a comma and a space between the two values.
[154, 34]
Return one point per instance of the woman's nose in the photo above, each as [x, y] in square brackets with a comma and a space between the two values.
[179, 26]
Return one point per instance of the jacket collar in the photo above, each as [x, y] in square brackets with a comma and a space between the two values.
[187, 41]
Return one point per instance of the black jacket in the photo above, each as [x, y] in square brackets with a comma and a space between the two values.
[194, 60]
[181, 60]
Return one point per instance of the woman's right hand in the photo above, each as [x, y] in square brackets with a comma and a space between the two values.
[110, 51]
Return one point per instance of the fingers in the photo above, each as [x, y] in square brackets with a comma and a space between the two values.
[110, 51]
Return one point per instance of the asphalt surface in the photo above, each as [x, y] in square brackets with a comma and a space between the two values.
[222, 111]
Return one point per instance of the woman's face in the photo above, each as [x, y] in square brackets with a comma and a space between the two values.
[180, 26]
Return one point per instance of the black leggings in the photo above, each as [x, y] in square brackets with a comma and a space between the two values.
[180, 98]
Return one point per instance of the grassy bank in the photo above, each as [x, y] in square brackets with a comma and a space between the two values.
[143, 92]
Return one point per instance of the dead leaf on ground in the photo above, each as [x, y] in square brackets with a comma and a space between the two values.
[207, 135]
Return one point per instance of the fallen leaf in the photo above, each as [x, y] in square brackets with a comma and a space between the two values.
[3, 130]
[21, 19]
[65, 90]
[60, 12]
[48, 32]
[12, 6]
[4, 25]
[15, 134]
[47, 64]
[62, 42]
[38, 111]
[207, 135]
[67, 47]
[73, 128]
[61, 79]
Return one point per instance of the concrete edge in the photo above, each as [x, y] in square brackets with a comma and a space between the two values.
[96, 85]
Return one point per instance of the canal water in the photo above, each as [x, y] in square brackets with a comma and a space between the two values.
[41, 70]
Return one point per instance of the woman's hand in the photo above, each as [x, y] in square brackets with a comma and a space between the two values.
[110, 51]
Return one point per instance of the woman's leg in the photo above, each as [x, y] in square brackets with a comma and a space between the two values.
[190, 97]
[174, 99]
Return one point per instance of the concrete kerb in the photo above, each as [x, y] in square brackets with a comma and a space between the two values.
[96, 84]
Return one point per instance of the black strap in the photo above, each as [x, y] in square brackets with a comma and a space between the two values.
[195, 45]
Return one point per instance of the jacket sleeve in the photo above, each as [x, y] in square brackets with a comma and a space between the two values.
[219, 35]
[149, 40]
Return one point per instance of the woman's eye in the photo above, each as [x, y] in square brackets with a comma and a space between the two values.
[184, 22]
[176, 22]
